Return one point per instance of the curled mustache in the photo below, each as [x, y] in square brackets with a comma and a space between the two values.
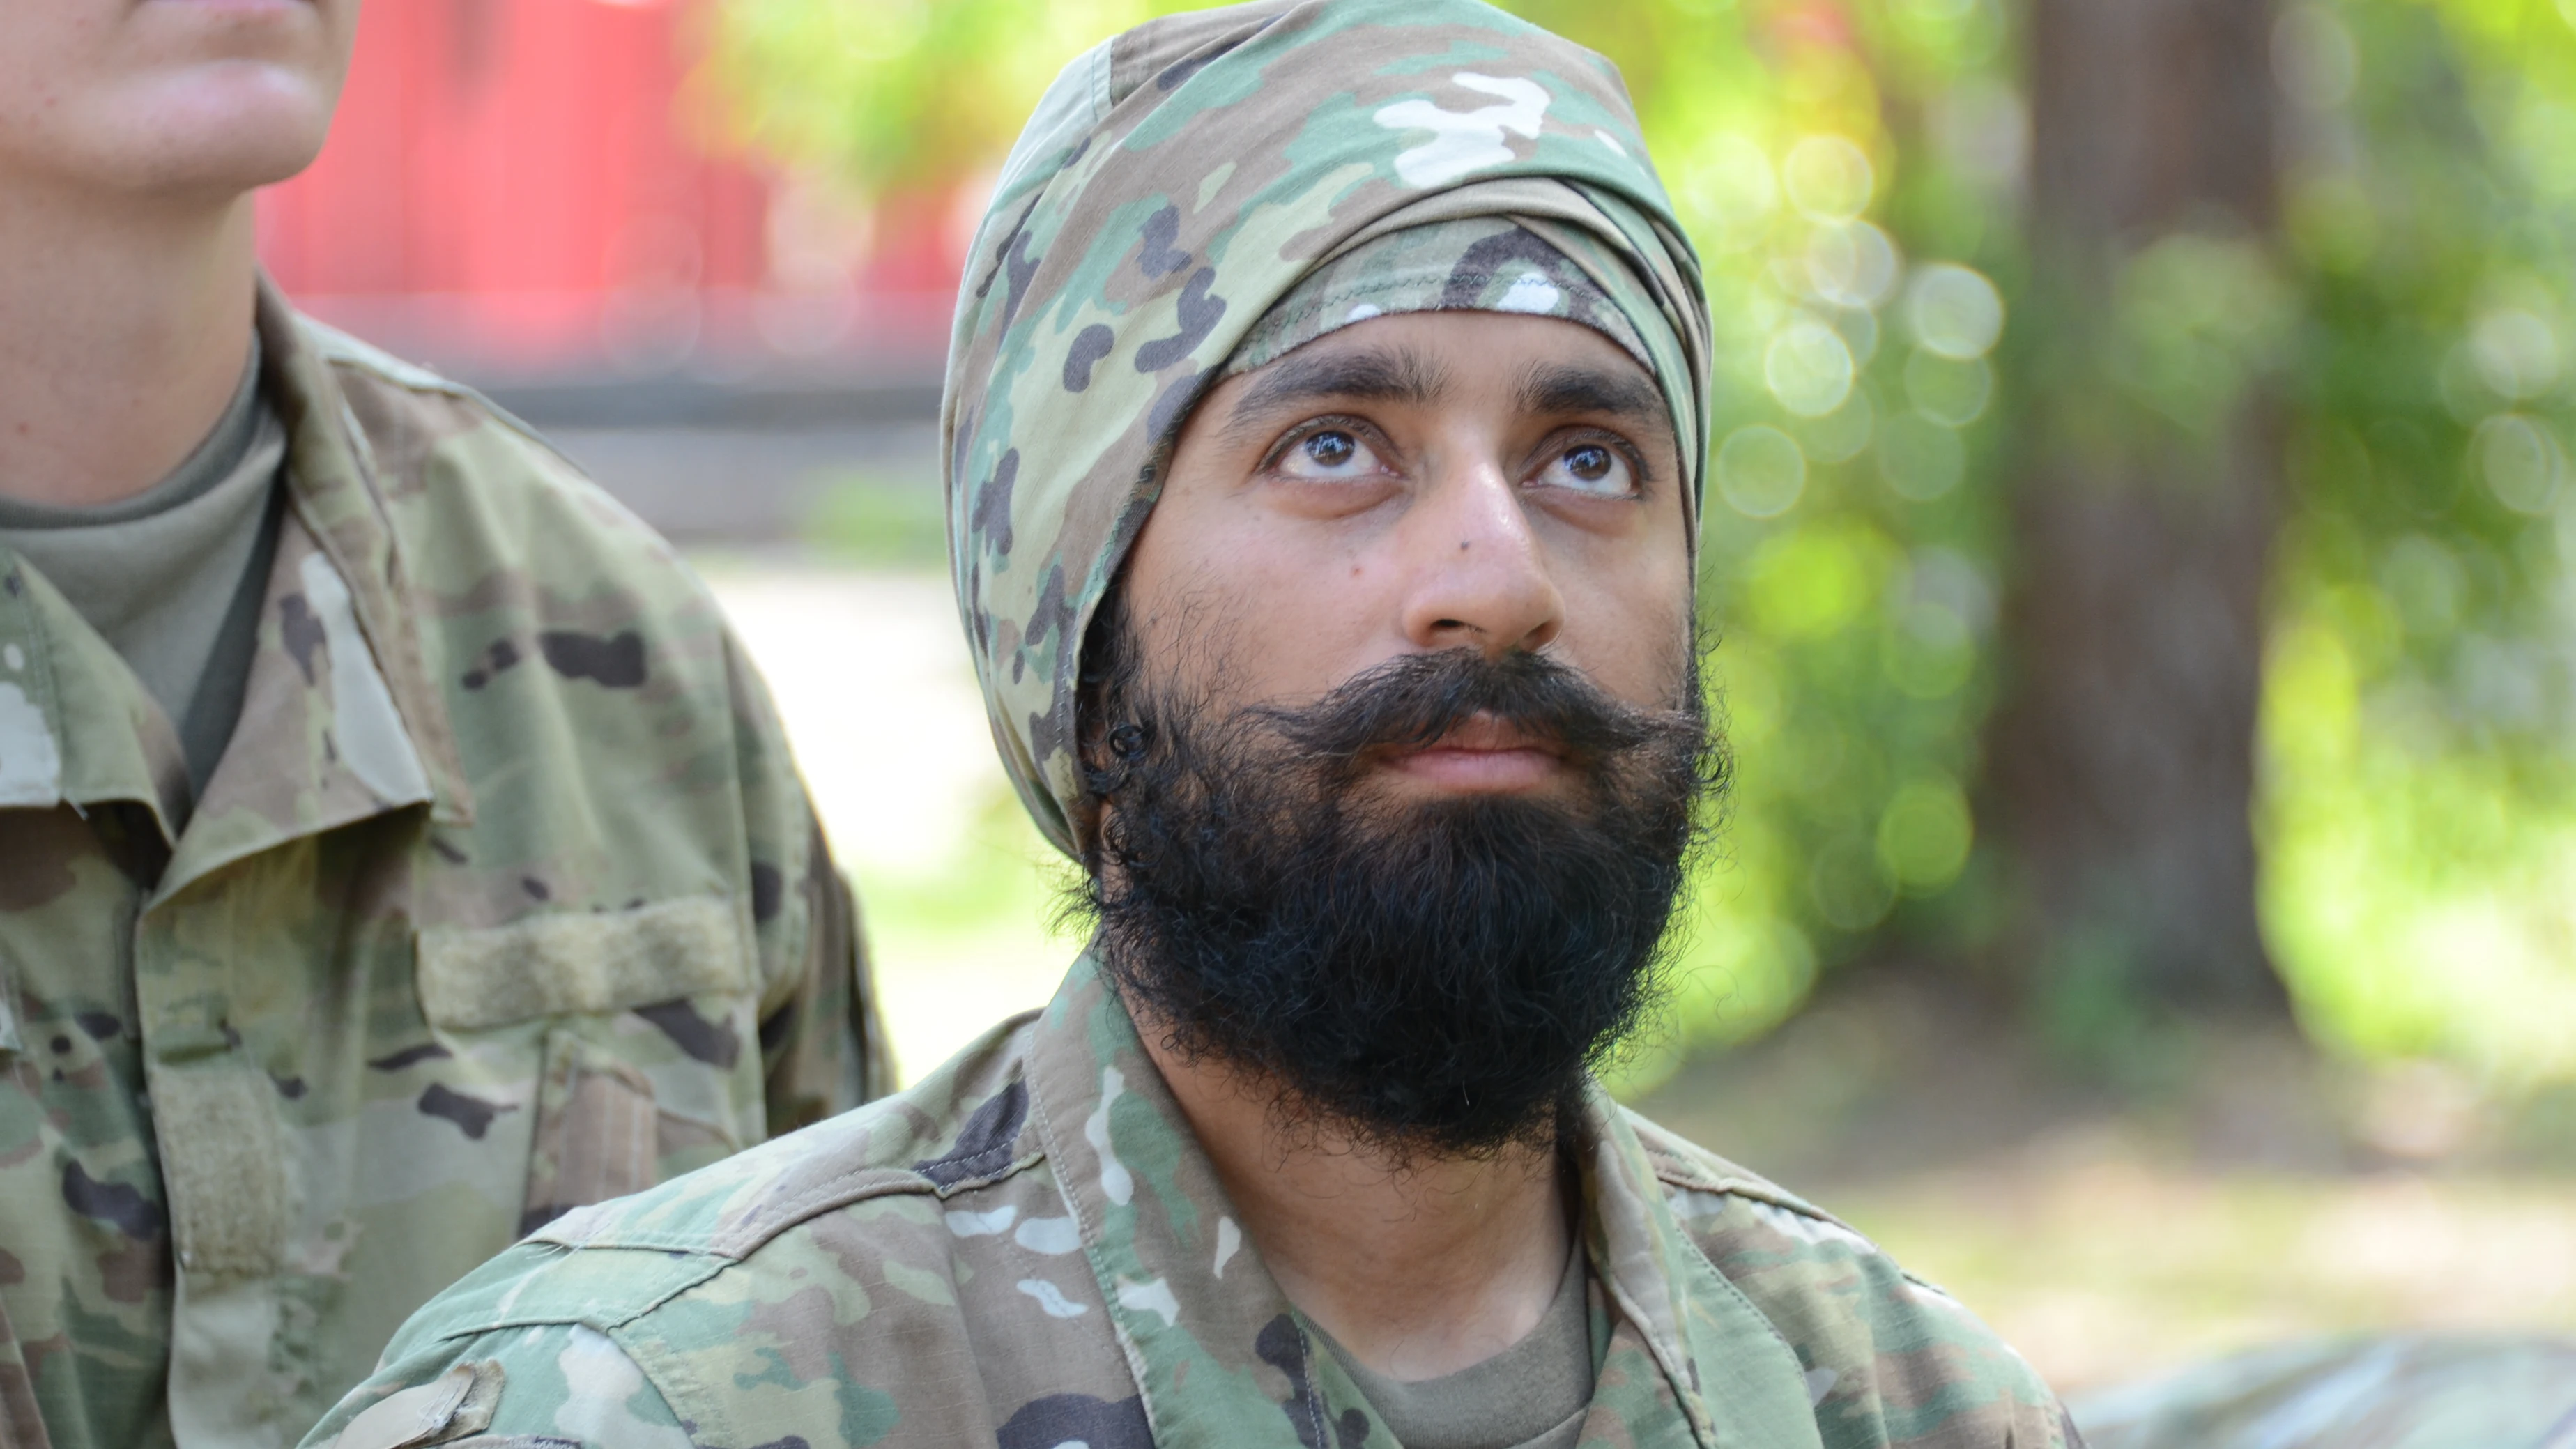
[1413, 700]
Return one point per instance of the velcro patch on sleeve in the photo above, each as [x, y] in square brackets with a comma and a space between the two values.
[555, 965]
[456, 1403]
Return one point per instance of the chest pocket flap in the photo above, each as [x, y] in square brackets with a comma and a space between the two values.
[567, 964]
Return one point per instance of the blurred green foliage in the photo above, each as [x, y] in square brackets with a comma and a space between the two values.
[2419, 818]
[1853, 174]
[875, 522]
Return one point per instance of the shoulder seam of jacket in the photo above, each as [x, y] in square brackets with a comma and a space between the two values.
[1675, 1171]
[856, 1185]
[342, 350]
[719, 1252]
[599, 1317]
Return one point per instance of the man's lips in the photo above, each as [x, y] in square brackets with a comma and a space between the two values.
[1482, 753]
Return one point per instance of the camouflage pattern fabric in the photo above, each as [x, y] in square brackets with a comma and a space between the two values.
[1028, 1249]
[505, 898]
[2401, 1392]
[1480, 264]
[1173, 187]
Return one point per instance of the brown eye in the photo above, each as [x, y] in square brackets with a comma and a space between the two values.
[1594, 468]
[1331, 450]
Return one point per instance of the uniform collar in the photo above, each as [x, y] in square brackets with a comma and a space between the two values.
[1222, 1358]
[318, 745]
[76, 727]
[334, 488]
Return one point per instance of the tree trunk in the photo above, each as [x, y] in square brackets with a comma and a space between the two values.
[2121, 766]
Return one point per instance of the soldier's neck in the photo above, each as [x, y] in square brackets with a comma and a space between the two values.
[1416, 1271]
[124, 326]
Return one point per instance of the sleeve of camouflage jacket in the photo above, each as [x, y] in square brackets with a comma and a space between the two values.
[569, 1386]
[823, 1048]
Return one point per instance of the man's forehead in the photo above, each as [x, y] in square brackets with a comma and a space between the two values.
[1433, 359]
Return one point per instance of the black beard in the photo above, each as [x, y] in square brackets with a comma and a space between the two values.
[1427, 979]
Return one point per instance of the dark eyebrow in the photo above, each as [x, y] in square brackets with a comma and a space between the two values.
[1557, 388]
[1397, 375]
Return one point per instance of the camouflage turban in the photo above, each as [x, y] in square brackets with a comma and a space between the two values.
[1209, 190]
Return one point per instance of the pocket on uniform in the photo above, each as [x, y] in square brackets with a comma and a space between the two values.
[582, 963]
[641, 1076]
[600, 1132]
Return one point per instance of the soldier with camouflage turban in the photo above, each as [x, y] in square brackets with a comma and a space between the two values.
[1324, 426]
[395, 850]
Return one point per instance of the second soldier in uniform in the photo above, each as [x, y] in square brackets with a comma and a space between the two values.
[395, 848]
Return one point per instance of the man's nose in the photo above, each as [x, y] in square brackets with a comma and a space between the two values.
[1477, 574]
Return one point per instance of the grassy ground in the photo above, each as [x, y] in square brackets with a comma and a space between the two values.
[2253, 1194]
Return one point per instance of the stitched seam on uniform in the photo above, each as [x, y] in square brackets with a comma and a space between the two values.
[339, 349]
[416, 701]
[1691, 1241]
[1092, 1229]
[667, 1372]
[974, 1161]
[430, 382]
[1013, 1168]
[560, 963]
[1673, 1171]
[858, 1185]
[1672, 1358]
[1315, 1414]
[1781, 1200]
[603, 1318]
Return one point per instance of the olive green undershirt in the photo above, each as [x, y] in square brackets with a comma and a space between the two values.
[1532, 1395]
[173, 578]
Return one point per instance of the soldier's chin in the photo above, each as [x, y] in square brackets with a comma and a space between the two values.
[211, 131]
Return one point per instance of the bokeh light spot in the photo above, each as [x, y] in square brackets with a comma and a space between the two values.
[1851, 263]
[1728, 192]
[2314, 57]
[2516, 353]
[1954, 310]
[1858, 328]
[1951, 390]
[1929, 653]
[1761, 471]
[2521, 462]
[1843, 434]
[1808, 367]
[1925, 833]
[1828, 177]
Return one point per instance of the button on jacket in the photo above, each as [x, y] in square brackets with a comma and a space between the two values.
[504, 898]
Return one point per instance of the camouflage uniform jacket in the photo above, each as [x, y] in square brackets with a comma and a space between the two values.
[1028, 1249]
[505, 897]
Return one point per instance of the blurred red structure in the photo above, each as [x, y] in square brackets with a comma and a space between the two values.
[510, 189]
